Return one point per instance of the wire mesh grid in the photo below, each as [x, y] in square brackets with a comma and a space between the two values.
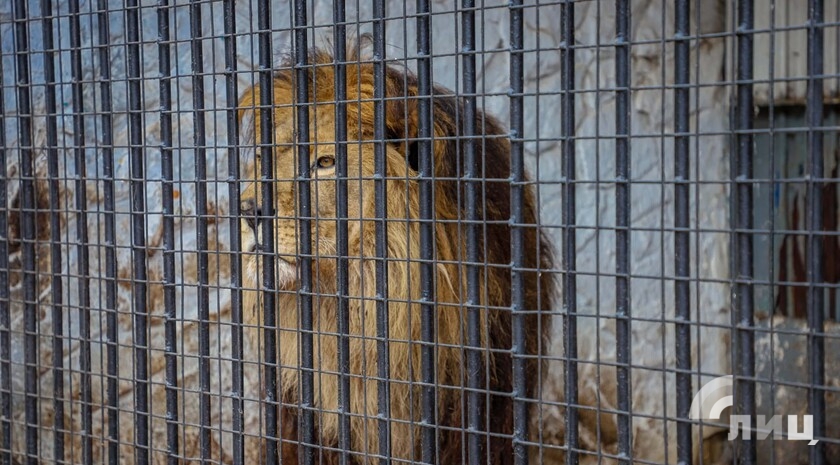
[485, 232]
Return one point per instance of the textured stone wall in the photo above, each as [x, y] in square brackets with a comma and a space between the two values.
[652, 201]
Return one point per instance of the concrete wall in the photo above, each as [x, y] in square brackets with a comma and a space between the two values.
[652, 163]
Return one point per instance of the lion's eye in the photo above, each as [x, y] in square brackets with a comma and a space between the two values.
[325, 162]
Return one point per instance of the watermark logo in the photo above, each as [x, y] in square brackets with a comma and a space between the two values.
[716, 395]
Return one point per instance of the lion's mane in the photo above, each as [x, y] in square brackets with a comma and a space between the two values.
[404, 297]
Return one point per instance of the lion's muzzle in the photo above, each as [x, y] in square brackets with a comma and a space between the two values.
[285, 264]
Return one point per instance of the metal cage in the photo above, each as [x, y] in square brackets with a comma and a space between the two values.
[554, 231]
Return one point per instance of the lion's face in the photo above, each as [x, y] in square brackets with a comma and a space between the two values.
[322, 162]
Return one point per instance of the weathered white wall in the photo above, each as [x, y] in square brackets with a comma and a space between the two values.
[781, 52]
[652, 201]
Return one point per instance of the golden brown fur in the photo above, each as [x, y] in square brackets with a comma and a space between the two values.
[403, 248]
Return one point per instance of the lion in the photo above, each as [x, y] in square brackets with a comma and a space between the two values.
[403, 265]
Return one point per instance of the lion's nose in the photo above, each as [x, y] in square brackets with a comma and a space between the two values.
[251, 212]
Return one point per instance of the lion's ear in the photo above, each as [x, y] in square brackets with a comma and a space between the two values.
[403, 118]
[407, 148]
[413, 157]
[401, 139]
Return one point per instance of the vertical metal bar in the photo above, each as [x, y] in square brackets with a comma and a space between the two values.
[517, 240]
[56, 286]
[28, 213]
[307, 394]
[814, 218]
[342, 249]
[472, 198]
[169, 278]
[111, 317]
[568, 242]
[383, 360]
[381, 232]
[682, 223]
[200, 143]
[138, 237]
[427, 232]
[5, 317]
[266, 221]
[743, 256]
[236, 349]
[623, 310]
[771, 202]
[83, 253]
